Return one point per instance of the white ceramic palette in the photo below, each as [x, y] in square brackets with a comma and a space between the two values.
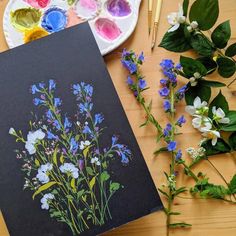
[111, 21]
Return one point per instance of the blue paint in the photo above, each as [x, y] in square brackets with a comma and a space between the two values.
[54, 20]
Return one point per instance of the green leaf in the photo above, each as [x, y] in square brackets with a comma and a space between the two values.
[202, 45]
[231, 50]
[214, 84]
[180, 190]
[185, 7]
[179, 225]
[104, 176]
[62, 159]
[85, 151]
[204, 92]
[89, 170]
[226, 67]
[72, 184]
[219, 101]
[221, 34]
[114, 187]
[37, 163]
[44, 187]
[174, 213]
[232, 185]
[175, 41]
[209, 63]
[190, 66]
[232, 124]
[205, 13]
[54, 157]
[220, 147]
[92, 182]
[232, 140]
[162, 149]
[164, 193]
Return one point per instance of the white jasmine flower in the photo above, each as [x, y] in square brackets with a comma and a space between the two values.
[43, 170]
[176, 18]
[46, 200]
[84, 144]
[194, 24]
[193, 81]
[96, 161]
[32, 138]
[197, 108]
[70, 169]
[219, 116]
[12, 131]
[211, 134]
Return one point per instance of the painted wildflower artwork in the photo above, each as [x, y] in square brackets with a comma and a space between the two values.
[64, 165]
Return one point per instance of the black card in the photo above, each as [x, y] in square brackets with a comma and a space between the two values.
[76, 167]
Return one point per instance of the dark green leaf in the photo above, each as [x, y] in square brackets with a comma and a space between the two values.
[202, 45]
[231, 50]
[180, 190]
[226, 67]
[185, 7]
[232, 124]
[175, 41]
[201, 91]
[232, 140]
[162, 149]
[220, 147]
[221, 35]
[209, 63]
[219, 101]
[179, 225]
[190, 66]
[215, 84]
[164, 193]
[174, 213]
[205, 13]
[232, 185]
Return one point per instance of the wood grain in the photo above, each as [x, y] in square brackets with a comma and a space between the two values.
[208, 217]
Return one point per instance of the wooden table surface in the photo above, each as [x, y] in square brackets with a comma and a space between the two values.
[208, 217]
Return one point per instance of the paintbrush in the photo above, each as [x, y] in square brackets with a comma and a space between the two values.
[3, 227]
[156, 21]
[149, 16]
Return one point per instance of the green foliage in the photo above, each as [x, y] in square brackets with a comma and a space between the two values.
[209, 64]
[210, 83]
[226, 67]
[220, 147]
[221, 35]
[232, 140]
[232, 185]
[114, 187]
[231, 50]
[179, 225]
[185, 7]
[232, 124]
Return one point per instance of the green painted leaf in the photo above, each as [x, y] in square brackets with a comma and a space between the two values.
[220, 147]
[219, 101]
[190, 66]
[104, 176]
[92, 182]
[44, 187]
[185, 7]
[212, 83]
[37, 163]
[205, 12]
[62, 159]
[89, 170]
[204, 92]
[202, 45]
[221, 34]
[231, 50]
[85, 151]
[114, 187]
[209, 63]
[226, 67]
[54, 157]
[175, 41]
[72, 184]
[232, 124]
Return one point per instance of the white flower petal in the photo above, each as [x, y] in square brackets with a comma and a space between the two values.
[197, 102]
[220, 113]
[190, 109]
[214, 141]
[174, 28]
[172, 18]
[225, 120]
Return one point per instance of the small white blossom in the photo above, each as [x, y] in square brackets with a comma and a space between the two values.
[219, 116]
[45, 200]
[96, 161]
[189, 28]
[70, 169]
[176, 18]
[211, 134]
[193, 81]
[43, 170]
[197, 108]
[194, 24]
[84, 144]
[12, 131]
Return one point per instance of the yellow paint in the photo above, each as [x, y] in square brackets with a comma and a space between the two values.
[34, 34]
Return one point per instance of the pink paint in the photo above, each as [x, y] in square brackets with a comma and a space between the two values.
[73, 19]
[38, 3]
[107, 29]
[89, 4]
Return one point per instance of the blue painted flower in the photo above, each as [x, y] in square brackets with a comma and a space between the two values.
[34, 89]
[141, 57]
[167, 105]
[67, 123]
[88, 90]
[57, 124]
[98, 119]
[38, 101]
[114, 139]
[87, 130]
[178, 155]
[52, 85]
[50, 135]
[130, 81]
[171, 146]
[85, 107]
[142, 84]
[167, 64]
[181, 121]
[73, 145]
[76, 89]
[57, 102]
[164, 92]
[131, 66]
[49, 115]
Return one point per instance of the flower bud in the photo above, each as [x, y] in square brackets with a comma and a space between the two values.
[197, 75]
[194, 24]
[189, 28]
[182, 19]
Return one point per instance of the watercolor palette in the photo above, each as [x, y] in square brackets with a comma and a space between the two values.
[111, 21]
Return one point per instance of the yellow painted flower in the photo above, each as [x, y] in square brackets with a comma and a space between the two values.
[34, 34]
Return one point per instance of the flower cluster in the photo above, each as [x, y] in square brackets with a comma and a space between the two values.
[208, 126]
[64, 161]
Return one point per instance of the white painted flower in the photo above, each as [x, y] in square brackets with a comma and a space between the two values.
[32, 138]
[43, 170]
[176, 18]
[46, 200]
[84, 144]
[197, 108]
[70, 169]
[12, 131]
[95, 161]
[213, 135]
[219, 116]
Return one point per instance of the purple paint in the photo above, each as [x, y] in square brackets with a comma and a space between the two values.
[118, 8]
